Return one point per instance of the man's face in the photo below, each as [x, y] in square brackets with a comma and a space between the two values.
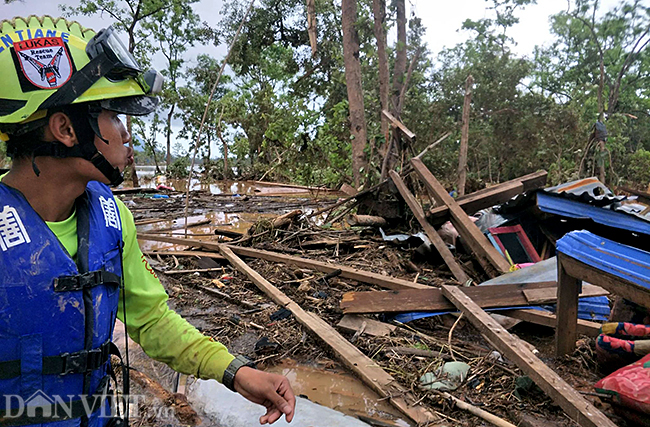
[113, 130]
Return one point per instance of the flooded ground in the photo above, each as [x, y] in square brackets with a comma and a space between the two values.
[238, 222]
[339, 391]
[229, 187]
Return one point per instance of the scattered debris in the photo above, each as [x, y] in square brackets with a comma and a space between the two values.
[314, 276]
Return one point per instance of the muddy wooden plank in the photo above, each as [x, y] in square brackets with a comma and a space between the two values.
[347, 272]
[134, 190]
[181, 226]
[481, 199]
[431, 233]
[575, 406]
[492, 296]
[195, 270]
[540, 296]
[150, 221]
[301, 187]
[371, 373]
[473, 202]
[489, 258]
[185, 254]
[353, 322]
[399, 125]
[616, 285]
[539, 317]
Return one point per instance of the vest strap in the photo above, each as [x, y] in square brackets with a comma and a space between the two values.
[66, 363]
[85, 280]
[84, 406]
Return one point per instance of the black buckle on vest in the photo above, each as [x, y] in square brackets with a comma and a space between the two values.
[85, 280]
[74, 362]
[85, 360]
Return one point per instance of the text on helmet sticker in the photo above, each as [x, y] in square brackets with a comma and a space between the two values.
[44, 61]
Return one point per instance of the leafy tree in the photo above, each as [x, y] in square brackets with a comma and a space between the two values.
[602, 65]
[174, 30]
[129, 16]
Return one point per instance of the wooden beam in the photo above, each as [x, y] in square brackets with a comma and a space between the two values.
[616, 285]
[371, 373]
[544, 318]
[639, 193]
[464, 136]
[150, 221]
[196, 270]
[431, 233]
[399, 125]
[180, 226]
[575, 406]
[491, 260]
[540, 296]
[185, 253]
[347, 272]
[474, 202]
[488, 296]
[353, 323]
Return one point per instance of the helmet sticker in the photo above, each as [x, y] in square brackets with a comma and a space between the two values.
[44, 62]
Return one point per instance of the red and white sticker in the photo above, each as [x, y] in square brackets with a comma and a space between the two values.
[44, 61]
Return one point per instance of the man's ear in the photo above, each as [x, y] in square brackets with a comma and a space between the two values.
[61, 129]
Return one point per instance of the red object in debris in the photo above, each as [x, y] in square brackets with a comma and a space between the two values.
[164, 187]
[630, 387]
[226, 277]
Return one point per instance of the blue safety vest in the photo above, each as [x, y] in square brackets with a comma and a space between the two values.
[57, 315]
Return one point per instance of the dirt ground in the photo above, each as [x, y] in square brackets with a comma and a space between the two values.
[245, 318]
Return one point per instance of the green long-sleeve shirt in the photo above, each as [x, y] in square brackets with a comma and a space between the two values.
[163, 334]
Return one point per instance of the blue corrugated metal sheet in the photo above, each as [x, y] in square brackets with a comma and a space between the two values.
[623, 261]
[587, 310]
[575, 209]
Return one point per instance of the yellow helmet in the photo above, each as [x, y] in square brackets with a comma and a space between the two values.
[48, 62]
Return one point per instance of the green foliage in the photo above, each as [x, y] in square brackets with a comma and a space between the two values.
[179, 167]
[283, 113]
[639, 169]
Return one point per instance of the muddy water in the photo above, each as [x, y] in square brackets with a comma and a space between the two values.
[227, 187]
[239, 222]
[339, 391]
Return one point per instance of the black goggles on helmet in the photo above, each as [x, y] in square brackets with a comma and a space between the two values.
[108, 58]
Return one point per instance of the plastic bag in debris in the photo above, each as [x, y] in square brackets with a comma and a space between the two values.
[420, 241]
[448, 378]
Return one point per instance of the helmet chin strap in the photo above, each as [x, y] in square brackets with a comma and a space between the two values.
[85, 122]
[113, 174]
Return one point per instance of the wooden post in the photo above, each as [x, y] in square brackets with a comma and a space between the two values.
[431, 233]
[464, 137]
[566, 331]
[572, 402]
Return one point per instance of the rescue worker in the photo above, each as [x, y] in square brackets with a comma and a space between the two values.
[69, 259]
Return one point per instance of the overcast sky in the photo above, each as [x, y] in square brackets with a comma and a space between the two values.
[442, 18]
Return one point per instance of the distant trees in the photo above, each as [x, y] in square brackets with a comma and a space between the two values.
[289, 112]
